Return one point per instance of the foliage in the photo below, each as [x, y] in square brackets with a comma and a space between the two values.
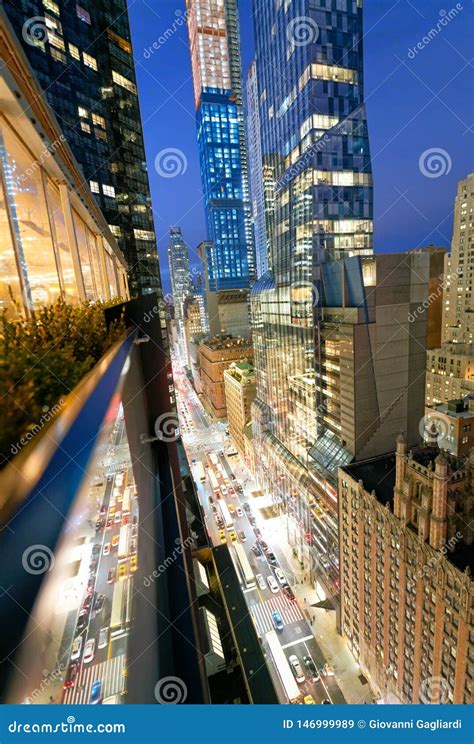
[43, 358]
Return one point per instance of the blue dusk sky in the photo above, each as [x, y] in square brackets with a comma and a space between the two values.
[416, 101]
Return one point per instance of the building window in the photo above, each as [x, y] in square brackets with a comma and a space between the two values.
[82, 112]
[144, 234]
[94, 187]
[108, 190]
[89, 61]
[49, 5]
[85, 127]
[98, 120]
[74, 52]
[83, 15]
[57, 55]
[124, 82]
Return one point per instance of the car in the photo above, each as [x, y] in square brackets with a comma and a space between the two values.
[289, 593]
[233, 536]
[224, 491]
[122, 571]
[261, 581]
[135, 520]
[256, 550]
[247, 507]
[211, 500]
[106, 549]
[133, 563]
[76, 648]
[251, 519]
[70, 680]
[111, 511]
[296, 668]
[327, 671]
[219, 522]
[125, 520]
[242, 536]
[280, 576]
[103, 510]
[309, 700]
[277, 620]
[193, 461]
[118, 517]
[271, 557]
[99, 525]
[239, 511]
[95, 549]
[87, 602]
[273, 585]
[263, 545]
[98, 604]
[231, 508]
[89, 651]
[109, 524]
[214, 509]
[82, 620]
[310, 666]
[222, 536]
[257, 533]
[115, 541]
[111, 576]
[134, 530]
[111, 700]
[133, 545]
[90, 586]
[103, 638]
[96, 691]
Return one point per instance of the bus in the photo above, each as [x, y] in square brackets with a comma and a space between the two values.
[246, 573]
[126, 502]
[287, 679]
[123, 542]
[226, 515]
[214, 483]
[213, 459]
[200, 472]
[121, 608]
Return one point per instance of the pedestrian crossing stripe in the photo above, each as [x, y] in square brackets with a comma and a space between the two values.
[262, 612]
[112, 674]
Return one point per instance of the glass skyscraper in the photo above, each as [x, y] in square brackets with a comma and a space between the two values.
[83, 59]
[217, 75]
[180, 275]
[315, 150]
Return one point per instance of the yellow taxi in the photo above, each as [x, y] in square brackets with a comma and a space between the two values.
[231, 508]
[222, 536]
[233, 536]
[133, 563]
[115, 541]
[122, 571]
[309, 700]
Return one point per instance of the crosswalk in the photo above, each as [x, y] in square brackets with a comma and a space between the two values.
[262, 612]
[111, 673]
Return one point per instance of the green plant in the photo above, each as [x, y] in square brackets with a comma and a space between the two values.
[43, 358]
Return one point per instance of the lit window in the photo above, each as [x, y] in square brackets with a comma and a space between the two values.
[83, 15]
[94, 187]
[120, 41]
[116, 231]
[144, 234]
[98, 120]
[55, 41]
[108, 190]
[82, 112]
[124, 82]
[89, 61]
[85, 127]
[49, 5]
[74, 52]
[100, 134]
[57, 55]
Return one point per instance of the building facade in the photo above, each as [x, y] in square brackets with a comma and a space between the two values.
[407, 594]
[82, 57]
[181, 280]
[55, 240]
[215, 356]
[216, 66]
[239, 388]
[452, 425]
[256, 181]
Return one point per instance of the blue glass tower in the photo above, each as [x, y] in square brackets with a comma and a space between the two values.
[216, 64]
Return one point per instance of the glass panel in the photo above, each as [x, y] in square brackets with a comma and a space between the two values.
[10, 291]
[30, 218]
[83, 249]
[93, 251]
[62, 245]
[111, 275]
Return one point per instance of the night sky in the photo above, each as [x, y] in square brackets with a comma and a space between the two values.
[415, 102]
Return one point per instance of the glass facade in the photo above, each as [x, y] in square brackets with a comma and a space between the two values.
[315, 150]
[180, 275]
[82, 57]
[215, 55]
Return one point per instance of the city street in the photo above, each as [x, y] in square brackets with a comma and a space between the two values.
[201, 436]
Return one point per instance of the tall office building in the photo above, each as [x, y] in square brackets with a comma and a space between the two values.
[180, 275]
[450, 368]
[216, 65]
[82, 57]
[315, 144]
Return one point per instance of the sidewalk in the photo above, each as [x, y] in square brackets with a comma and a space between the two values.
[334, 647]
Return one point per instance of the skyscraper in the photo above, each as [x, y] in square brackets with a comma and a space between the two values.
[315, 146]
[180, 275]
[257, 187]
[82, 56]
[217, 75]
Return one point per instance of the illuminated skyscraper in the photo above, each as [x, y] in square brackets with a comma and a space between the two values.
[180, 275]
[216, 64]
[82, 57]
